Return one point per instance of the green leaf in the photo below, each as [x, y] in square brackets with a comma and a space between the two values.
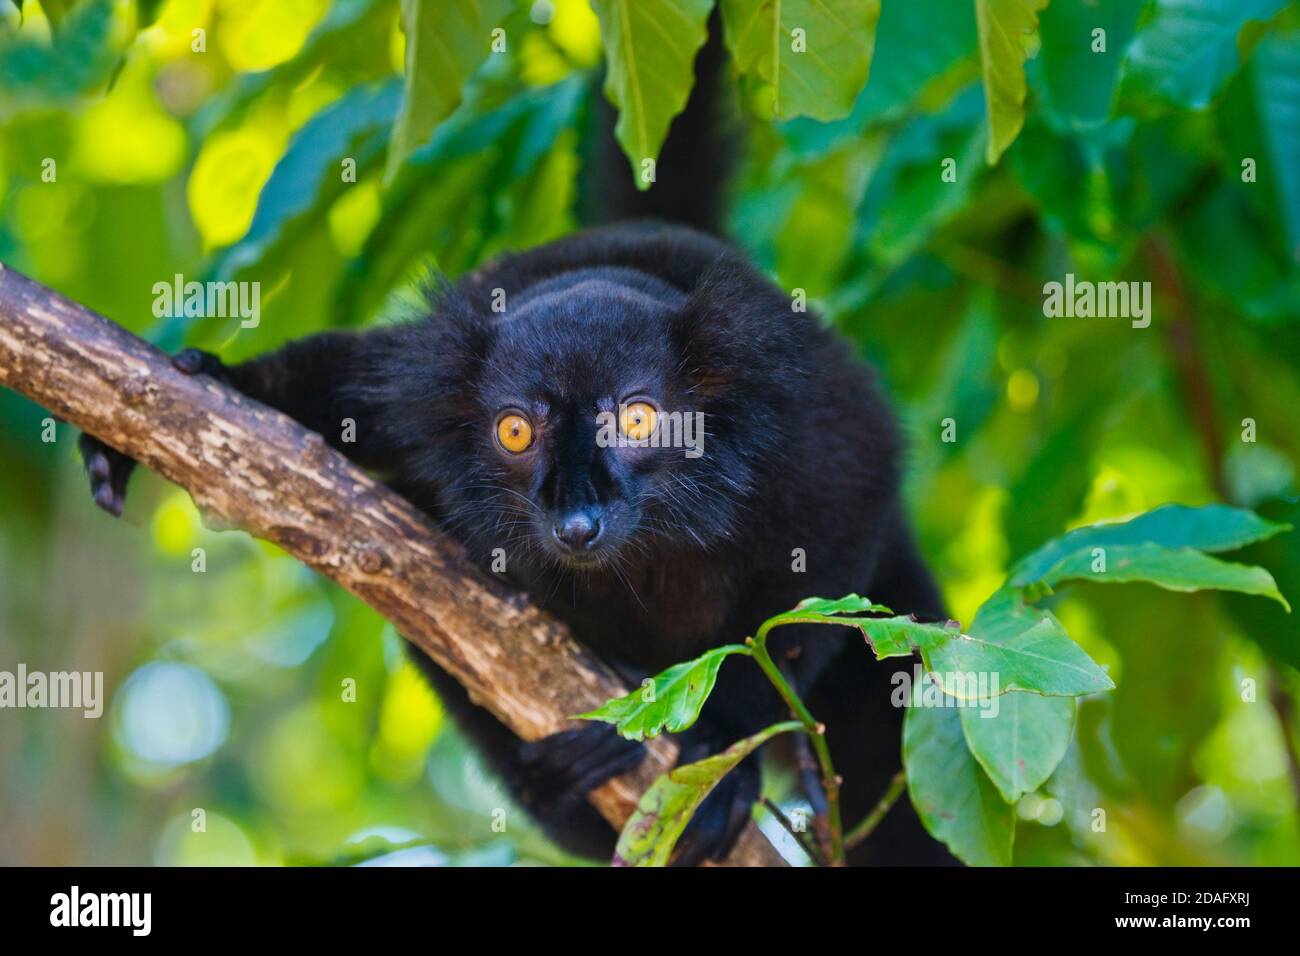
[1186, 51]
[147, 11]
[56, 10]
[651, 833]
[447, 198]
[1264, 622]
[912, 65]
[954, 798]
[903, 636]
[1034, 638]
[1225, 244]
[817, 72]
[1020, 744]
[908, 198]
[887, 636]
[309, 175]
[1075, 81]
[1123, 178]
[1209, 528]
[1005, 29]
[672, 703]
[1263, 123]
[1025, 647]
[650, 47]
[1039, 658]
[83, 57]
[347, 29]
[445, 43]
[1175, 569]
[825, 607]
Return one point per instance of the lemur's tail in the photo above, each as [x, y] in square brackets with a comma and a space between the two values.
[694, 167]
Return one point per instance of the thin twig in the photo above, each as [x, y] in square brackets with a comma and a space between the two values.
[810, 781]
[816, 733]
[865, 828]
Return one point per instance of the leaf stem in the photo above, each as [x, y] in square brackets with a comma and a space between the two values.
[816, 733]
[865, 828]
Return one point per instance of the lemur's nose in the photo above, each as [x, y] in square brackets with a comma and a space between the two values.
[577, 531]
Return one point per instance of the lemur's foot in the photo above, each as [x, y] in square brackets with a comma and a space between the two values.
[109, 470]
[560, 770]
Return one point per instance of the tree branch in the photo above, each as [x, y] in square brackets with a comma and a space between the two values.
[251, 467]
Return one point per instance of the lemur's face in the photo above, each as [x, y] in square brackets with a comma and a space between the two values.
[586, 426]
[593, 426]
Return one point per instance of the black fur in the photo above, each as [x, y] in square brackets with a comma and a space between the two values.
[800, 452]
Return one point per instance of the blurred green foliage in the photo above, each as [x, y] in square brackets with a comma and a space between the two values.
[1167, 152]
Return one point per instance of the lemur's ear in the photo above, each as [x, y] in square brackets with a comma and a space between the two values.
[452, 344]
[731, 320]
[454, 315]
[422, 372]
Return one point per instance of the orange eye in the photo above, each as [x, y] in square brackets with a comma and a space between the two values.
[514, 432]
[637, 421]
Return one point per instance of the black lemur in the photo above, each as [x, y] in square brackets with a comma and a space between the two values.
[491, 421]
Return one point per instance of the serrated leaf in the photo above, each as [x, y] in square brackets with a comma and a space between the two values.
[954, 798]
[902, 636]
[445, 43]
[651, 833]
[817, 72]
[678, 695]
[1005, 29]
[1021, 742]
[1209, 528]
[650, 48]
[817, 610]
[1186, 51]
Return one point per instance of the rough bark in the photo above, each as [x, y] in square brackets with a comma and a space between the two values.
[250, 467]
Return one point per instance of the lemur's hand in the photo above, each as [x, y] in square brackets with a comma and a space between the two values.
[110, 470]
